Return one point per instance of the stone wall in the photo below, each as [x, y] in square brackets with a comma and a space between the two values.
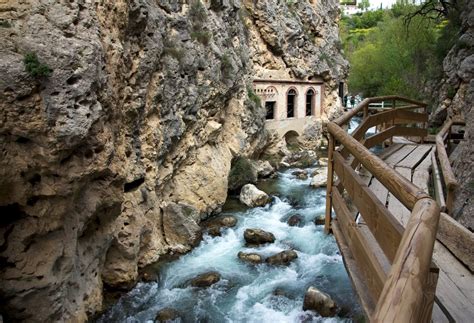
[456, 97]
[113, 159]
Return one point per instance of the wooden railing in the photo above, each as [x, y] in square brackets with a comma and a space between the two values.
[450, 182]
[406, 294]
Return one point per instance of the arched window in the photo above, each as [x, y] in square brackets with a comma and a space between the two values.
[291, 103]
[309, 102]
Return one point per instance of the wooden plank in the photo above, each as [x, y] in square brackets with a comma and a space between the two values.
[438, 316]
[399, 211]
[455, 290]
[438, 186]
[371, 269]
[392, 132]
[355, 274]
[458, 239]
[415, 157]
[429, 295]
[377, 251]
[409, 116]
[389, 151]
[404, 190]
[327, 218]
[402, 298]
[400, 155]
[421, 174]
[449, 178]
[385, 228]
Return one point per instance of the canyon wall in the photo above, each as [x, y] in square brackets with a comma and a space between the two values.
[119, 138]
[456, 97]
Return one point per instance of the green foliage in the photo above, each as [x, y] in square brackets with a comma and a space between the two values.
[171, 50]
[201, 36]
[363, 4]
[34, 67]
[451, 92]
[390, 56]
[226, 66]
[5, 24]
[253, 97]
[242, 172]
[197, 12]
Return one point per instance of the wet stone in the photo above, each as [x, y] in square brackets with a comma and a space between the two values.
[320, 302]
[253, 258]
[283, 258]
[258, 236]
[294, 220]
[206, 279]
[167, 314]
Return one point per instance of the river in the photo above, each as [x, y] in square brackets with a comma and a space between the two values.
[246, 293]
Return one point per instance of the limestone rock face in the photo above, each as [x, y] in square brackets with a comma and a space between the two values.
[455, 94]
[252, 196]
[113, 159]
[316, 300]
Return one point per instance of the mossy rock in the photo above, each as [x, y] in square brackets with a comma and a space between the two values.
[242, 172]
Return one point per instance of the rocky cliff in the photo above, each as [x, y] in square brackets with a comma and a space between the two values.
[456, 97]
[118, 124]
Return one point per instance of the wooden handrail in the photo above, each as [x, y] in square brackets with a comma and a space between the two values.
[402, 296]
[403, 189]
[446, 170]
[364, 104]
[408, 292]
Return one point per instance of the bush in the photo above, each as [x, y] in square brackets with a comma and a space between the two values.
[197, 12]
[34, 67]
[201, 36]
[241, 172]
[226, 66]
[252, 96]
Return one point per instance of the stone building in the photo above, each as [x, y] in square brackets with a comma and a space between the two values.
[291, 105]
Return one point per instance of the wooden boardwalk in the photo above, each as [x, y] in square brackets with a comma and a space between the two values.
[455, 289]
[408, 259]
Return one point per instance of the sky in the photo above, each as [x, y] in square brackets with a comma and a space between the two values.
[375, 4]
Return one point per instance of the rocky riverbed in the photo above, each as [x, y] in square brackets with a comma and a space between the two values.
[263, 282]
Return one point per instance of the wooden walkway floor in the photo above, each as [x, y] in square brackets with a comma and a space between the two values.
[455, 288]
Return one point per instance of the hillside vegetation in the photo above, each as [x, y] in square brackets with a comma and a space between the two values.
[391, 53]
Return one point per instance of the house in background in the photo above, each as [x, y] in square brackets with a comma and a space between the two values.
[291, 105]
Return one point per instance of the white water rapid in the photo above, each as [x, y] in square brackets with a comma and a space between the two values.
[246, 293]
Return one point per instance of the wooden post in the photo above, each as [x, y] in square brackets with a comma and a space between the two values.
[402, 298]
[366, 111]
[450, 199]
[327, 220]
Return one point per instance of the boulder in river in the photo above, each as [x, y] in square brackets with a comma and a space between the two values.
[252, 196]
[319, 220]
[166, 314]
[215, 224]
[294, 220]
[316, 300]
[206, 279]
[258, 236]
[253, 258]
[320, 179]
[264, 169]
[282, 258]
[300, 174]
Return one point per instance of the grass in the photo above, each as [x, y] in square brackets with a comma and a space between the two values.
[34, 67]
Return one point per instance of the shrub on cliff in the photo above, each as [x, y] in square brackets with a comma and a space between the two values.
[241, 172]
[34, 67]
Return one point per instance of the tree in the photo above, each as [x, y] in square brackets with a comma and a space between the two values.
[364, 5]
